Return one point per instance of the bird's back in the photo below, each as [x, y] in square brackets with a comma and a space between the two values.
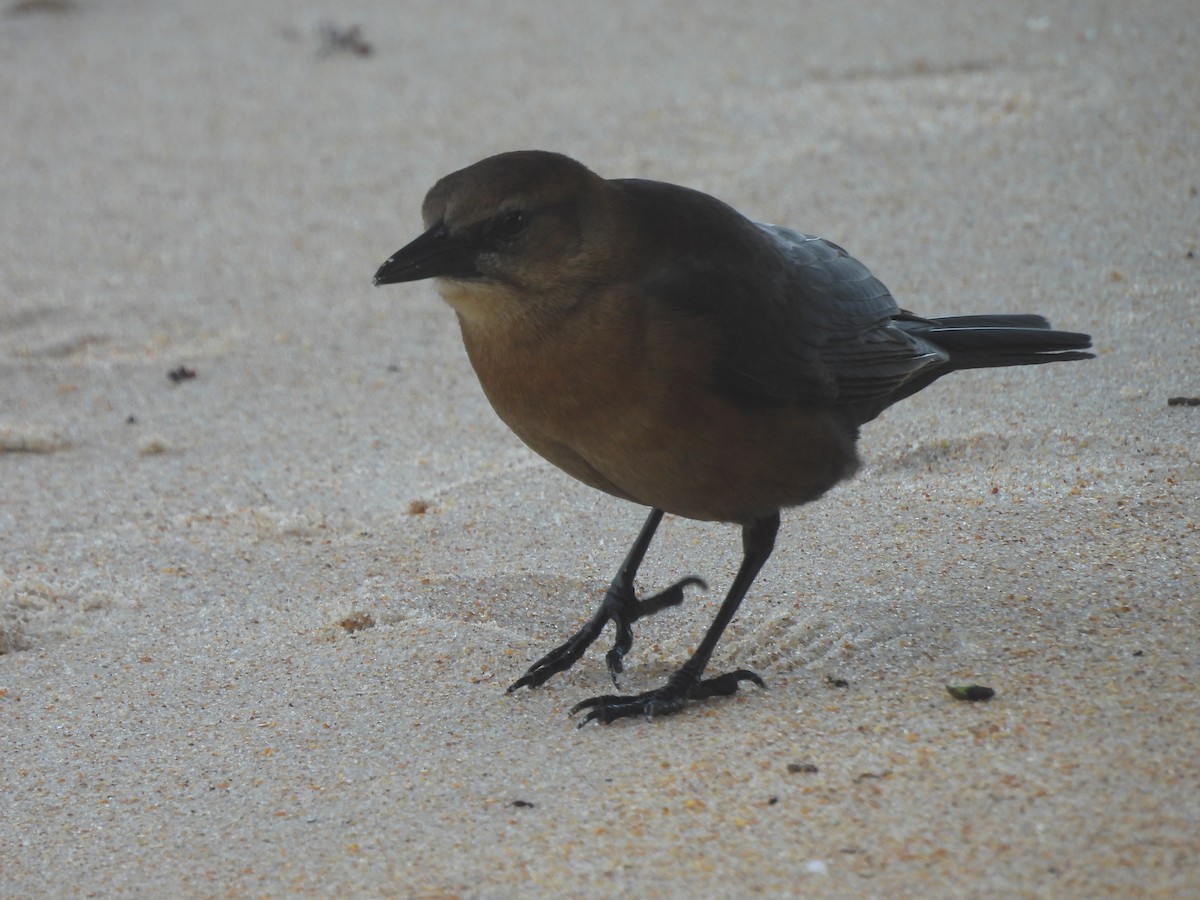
[801, 323]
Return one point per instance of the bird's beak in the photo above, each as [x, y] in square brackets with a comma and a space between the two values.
[435, 254]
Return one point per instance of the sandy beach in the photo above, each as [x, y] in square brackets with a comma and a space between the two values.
[268, 560]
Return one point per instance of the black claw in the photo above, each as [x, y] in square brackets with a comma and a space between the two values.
[595, 701]
[724, 685]
[612, 661]
[672, 596]
[628, 609]
[614, 658]
[621, 607]
[557, 660]
[679, 690]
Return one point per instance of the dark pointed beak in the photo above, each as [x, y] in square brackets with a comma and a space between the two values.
[435, 254]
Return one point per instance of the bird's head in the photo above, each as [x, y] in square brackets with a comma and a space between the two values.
[526, 223]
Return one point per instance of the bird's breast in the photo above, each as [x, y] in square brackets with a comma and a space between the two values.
[621, 396]
[574, 380]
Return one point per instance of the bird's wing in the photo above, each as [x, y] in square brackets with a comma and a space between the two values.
[839, 319]
[800, 321]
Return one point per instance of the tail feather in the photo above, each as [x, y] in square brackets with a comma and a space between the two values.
[996, 320]
[984, 342]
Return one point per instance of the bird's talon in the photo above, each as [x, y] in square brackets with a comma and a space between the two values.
[680, 689]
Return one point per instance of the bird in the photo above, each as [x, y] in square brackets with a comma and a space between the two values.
[656, 344]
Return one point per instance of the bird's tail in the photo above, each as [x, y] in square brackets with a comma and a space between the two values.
[984, 342]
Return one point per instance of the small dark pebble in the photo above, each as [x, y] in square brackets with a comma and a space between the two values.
[183, 373]
[805, 768]
[771, 801]
[522, 804]
[131, 420]
[335, 39]
[1183, 401]
[971, 692]
[21, 7]
[868, 776]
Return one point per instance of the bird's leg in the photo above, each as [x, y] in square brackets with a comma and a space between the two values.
[621, 606]
[758, 540]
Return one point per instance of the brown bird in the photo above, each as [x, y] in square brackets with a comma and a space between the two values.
[658, 345]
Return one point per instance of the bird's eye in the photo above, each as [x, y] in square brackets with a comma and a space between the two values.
[508, 225]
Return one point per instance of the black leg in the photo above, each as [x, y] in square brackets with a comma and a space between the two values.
[621, 606]
[758, 540]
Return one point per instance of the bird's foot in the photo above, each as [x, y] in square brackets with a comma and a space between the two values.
[559, 659]
[681, 688]
[623, 608]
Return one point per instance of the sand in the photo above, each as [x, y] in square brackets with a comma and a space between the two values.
[257, 623]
